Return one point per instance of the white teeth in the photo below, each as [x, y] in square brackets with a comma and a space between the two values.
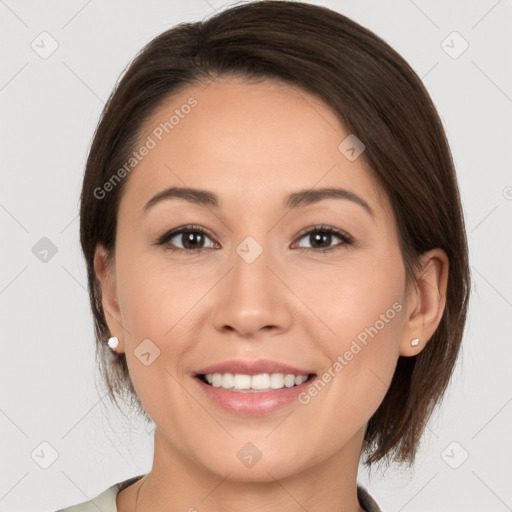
[242, 381]
[300, 379]
[228, 381]
[289, 381]
[277, 380]
[261, 381]
[252, 383]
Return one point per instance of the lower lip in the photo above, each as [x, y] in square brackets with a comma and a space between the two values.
[252, 404]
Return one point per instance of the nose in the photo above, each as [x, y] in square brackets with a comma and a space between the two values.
[253, 297]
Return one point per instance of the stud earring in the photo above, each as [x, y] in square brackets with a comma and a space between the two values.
[415, 342]
[113, 343]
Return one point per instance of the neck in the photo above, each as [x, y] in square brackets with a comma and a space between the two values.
[178, 483]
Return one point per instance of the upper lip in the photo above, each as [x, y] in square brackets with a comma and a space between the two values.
[247, 367]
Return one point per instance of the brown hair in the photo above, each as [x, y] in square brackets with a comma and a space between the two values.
[377, 97]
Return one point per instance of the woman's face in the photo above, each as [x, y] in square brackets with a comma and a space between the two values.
[254, 282]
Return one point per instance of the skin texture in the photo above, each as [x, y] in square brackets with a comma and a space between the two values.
[253, 144]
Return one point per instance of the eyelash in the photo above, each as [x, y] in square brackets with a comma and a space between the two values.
[345, 237]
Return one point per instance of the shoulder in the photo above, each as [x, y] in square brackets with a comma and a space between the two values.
[106, 501]
[366, 500]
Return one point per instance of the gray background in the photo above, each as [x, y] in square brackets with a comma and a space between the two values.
[50, 107]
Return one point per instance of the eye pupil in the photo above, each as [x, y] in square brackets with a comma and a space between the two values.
[321, 237]
[191, 239]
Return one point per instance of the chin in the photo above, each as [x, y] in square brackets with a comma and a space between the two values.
[247, 463]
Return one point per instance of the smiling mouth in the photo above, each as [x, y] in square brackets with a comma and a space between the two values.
[261, 383]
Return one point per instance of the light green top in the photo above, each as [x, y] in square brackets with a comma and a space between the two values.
[106, 501]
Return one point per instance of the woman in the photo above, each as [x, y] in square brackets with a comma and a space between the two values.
[277, 260]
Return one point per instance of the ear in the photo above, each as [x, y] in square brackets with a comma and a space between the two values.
[426, 302]
[105, 273]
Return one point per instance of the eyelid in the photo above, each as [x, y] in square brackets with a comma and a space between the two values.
[181, 229]
[340, 233]
[324, 227]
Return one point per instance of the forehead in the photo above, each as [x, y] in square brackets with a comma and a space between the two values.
[247, 142]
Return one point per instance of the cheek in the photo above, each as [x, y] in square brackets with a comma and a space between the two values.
[357, 299]
[157, 312]
[364, 313]
[352, 385]
[156, 296]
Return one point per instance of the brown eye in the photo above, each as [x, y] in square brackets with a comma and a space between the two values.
[187, 238]
[321, 239]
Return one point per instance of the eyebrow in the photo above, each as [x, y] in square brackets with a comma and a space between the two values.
[298, 199]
